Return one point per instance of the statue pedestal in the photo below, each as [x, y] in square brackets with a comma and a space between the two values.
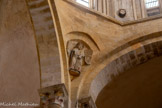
[74, 73]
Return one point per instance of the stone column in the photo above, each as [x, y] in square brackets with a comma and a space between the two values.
[160, 6]
[104, 5]
[86, 103]
[54, 97]
[143, 7]
[100, 6]
[108, 7]
[137, 9]
[95, 5]
[134, 9]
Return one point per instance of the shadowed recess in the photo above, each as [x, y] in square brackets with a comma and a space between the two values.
[139, 87]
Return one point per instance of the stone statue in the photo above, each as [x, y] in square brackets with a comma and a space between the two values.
[78, 54]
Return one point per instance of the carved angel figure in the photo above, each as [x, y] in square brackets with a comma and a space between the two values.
[77, 55]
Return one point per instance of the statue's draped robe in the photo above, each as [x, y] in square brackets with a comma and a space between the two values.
[76, 58]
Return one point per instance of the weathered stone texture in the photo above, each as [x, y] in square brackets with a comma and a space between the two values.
[19, 67]
[112, 40]
[123, 63]
[46, 42]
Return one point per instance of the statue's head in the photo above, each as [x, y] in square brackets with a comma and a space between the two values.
[80, 46]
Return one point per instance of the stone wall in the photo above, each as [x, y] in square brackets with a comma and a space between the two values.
[107, 38]
[111, 39]
[19, 67]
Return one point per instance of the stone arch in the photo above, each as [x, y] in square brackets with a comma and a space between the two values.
[112, 55]
[93, 43]
[123, 63]
[78, 40]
